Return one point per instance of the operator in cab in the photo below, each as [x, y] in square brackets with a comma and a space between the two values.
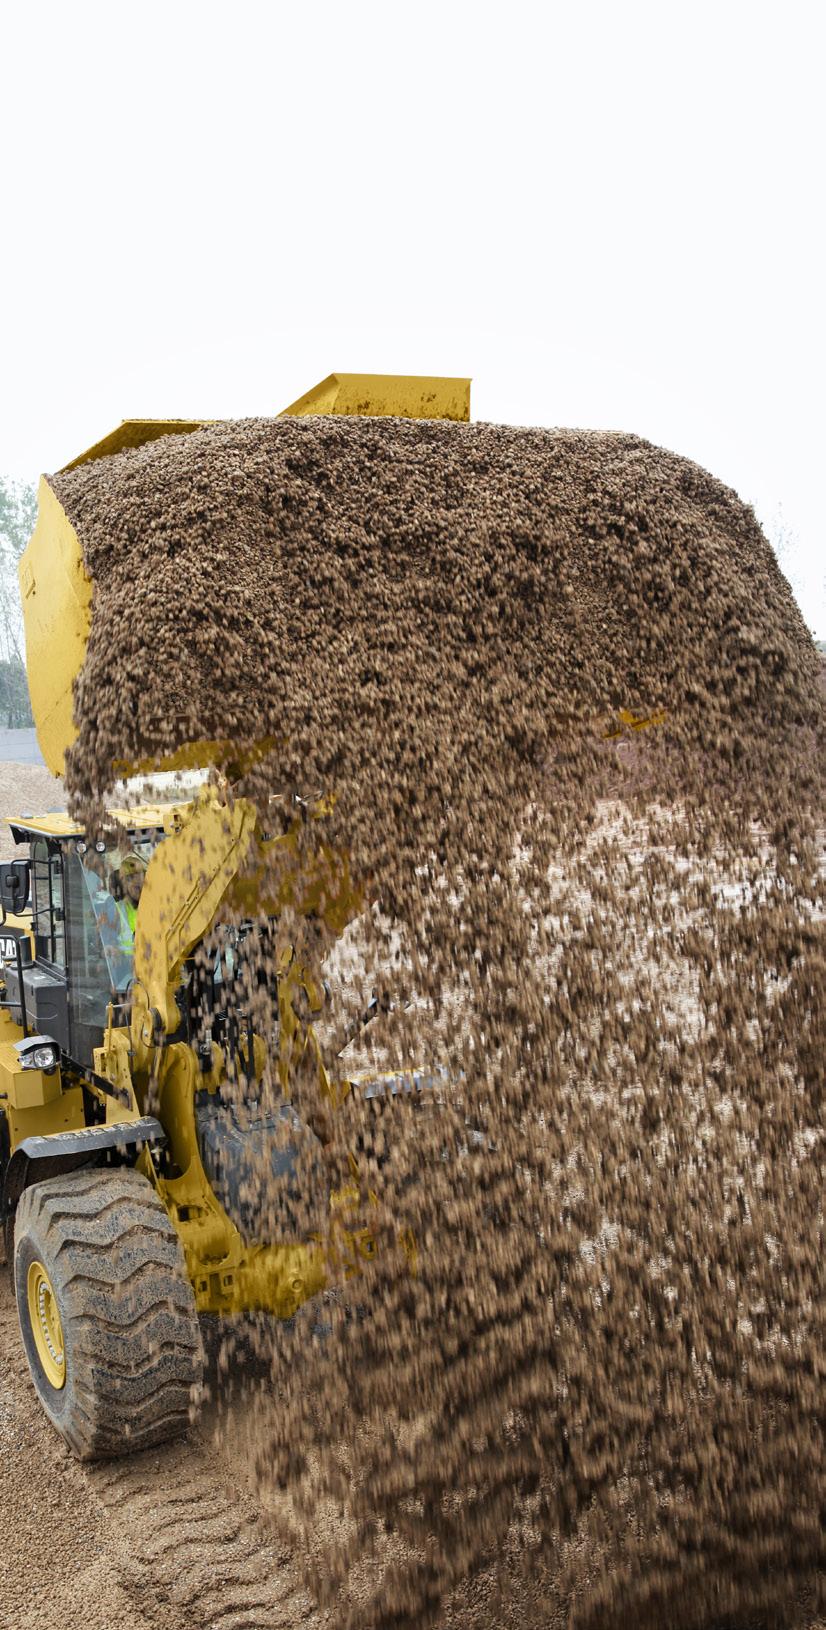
[132, 873]
[118, 923]
[125, 885]
[115, 887]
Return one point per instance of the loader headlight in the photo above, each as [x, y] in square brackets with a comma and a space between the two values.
[38, 1053]
[44, 1058]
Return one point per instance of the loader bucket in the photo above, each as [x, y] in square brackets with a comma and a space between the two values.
[134, 433]
[56, 592]
[399, 396]
[56, 595]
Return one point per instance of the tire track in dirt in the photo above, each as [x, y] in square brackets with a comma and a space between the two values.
[55, 1561]
[166, 1540]
[195, 1552]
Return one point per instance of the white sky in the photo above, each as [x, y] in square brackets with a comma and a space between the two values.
[608, 214]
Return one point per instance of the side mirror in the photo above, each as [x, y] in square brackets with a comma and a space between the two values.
[14, 885]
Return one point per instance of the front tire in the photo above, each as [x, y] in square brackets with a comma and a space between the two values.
[106, 1311]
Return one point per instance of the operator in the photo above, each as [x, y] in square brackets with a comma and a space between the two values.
[131, 874]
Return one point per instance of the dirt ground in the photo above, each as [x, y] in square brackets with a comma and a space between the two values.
[25, 789]
[172, 1539]
[168, 1540]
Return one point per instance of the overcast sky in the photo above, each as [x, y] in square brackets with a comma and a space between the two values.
[608, 214]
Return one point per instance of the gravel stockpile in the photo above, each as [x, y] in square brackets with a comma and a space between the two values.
[25, 789]
[602, 1385]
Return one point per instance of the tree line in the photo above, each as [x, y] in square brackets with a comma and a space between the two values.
[18, 508]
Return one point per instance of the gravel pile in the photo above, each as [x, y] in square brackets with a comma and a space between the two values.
[25, 789]
[604, 1378]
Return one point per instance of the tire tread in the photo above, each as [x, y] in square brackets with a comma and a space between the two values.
[134, 1353]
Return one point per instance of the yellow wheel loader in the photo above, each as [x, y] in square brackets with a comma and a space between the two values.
[133, 1129]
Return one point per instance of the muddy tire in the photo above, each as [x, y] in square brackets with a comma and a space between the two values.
[106, 1311]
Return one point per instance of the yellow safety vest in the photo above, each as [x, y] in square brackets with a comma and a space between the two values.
[127, 917]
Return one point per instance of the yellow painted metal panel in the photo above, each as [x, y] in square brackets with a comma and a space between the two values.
[56, 596]
[65, 1113]
[234, 759]
[401, 396]
[140, 818]
[186, 881]
[135, 433]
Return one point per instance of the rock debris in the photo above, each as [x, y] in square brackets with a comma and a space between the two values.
[600, 1388]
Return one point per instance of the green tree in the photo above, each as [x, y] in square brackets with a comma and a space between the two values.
[15, 707]
[18, 508]
[18, 511]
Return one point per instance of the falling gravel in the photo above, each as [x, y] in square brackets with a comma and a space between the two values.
[573, 726]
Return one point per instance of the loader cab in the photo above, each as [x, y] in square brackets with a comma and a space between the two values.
[76, 962]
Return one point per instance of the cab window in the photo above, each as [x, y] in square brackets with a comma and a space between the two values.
[96, 973]
[47, 903]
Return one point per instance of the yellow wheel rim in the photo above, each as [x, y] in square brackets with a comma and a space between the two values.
[46, 1327]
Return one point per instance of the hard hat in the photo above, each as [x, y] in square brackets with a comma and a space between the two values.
[133, 863]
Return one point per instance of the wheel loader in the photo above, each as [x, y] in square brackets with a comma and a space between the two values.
[133, 1125]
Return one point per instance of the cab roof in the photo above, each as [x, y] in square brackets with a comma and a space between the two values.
[58, 824]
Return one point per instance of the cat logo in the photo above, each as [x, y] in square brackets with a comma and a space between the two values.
[8, 952]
